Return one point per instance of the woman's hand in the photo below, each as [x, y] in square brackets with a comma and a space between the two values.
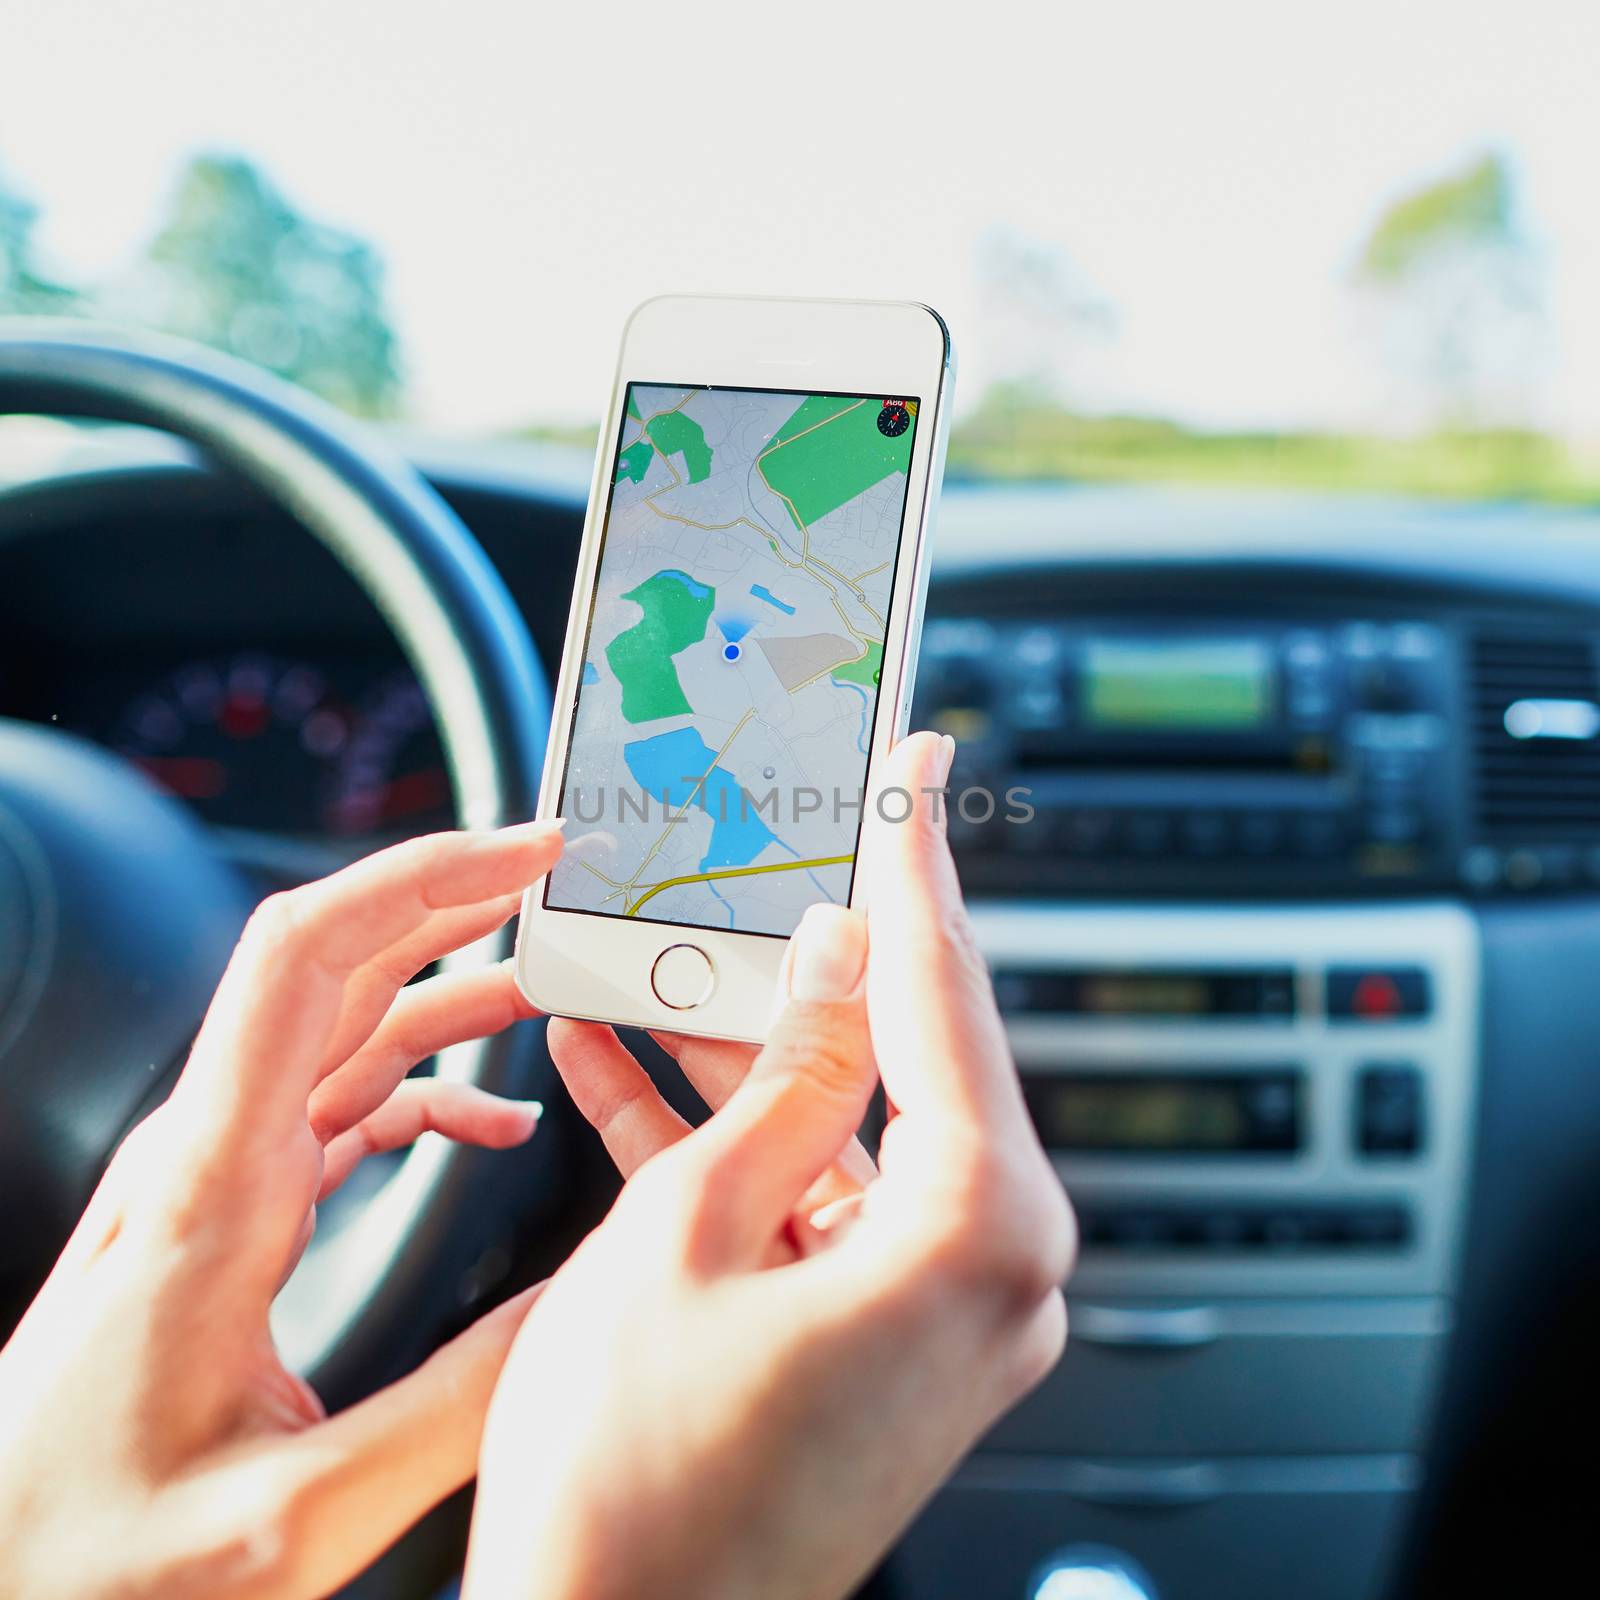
[151, 1442]
[749, 1377]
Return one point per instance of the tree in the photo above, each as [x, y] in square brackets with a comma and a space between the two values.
[1040, 313]
[24, 286]
[235, 266]
[1458, 287]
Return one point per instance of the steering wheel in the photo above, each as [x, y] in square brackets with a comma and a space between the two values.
[116, 912]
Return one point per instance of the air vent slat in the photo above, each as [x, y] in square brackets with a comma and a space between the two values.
[1533, 790]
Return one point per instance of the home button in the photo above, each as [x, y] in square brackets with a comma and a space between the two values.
[682, 977]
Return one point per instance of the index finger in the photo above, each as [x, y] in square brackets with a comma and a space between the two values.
[941, 1046]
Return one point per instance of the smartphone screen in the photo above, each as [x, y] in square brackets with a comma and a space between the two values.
[718, 749]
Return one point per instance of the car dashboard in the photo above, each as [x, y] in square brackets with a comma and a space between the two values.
[1260, 804]
[1280, 820]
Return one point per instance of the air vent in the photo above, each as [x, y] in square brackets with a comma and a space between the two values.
[1544, 787]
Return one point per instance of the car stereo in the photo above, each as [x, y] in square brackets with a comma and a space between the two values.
[1286, 1114]
[1242, 698]
[1288, 756]
[1154, 1113]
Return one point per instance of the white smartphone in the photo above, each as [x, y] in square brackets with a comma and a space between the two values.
[740, 649]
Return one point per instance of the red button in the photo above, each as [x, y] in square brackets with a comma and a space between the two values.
[1376, 996]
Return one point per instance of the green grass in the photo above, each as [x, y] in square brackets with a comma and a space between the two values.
[1002, 440]
[1031, 442]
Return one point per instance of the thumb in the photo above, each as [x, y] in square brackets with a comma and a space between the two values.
[341, 1492]
[805, 1094]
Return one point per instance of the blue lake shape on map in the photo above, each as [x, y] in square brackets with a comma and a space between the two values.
[697, 589]
[762, 592]
[669, 763]
[591, 673]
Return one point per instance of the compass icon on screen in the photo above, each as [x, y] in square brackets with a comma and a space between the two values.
[894, 419]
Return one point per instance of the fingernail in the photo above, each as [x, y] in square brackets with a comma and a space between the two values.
[532, 1110]
[836, 1212]
[523, 832]
[939, 762]
[827, 954]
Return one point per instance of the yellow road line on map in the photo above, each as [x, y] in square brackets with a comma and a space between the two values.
[735, 872]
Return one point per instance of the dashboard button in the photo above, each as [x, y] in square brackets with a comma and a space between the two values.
[1204, 833]
[1247, 1227]
[1149, 833]
[1039, 835]
[1560, 864]
[1223, 1230]
[1094, 1225]
[1319, 836]
[1276, 995]
[1376, 1225]
[1524, 869]
[1396, 825]
[1306, 651]
[1038, 705]
[1309, 708]
[1394, 766]
[1261, 835]
[1377, 994]
[1389, 1111]
[1088, 833]
[1144, 1230]
[1285, 1230]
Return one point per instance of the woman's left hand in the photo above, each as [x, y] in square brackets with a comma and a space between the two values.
[151, 1441]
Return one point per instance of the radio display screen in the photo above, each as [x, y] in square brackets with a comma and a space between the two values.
[1174, 1114]
[1181, 993]
[1186, 685]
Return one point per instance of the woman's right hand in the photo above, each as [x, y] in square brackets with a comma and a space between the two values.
[752, 1374]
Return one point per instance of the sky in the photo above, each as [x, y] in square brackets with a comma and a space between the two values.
[530, 173]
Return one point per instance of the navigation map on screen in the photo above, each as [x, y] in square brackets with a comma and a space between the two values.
[730, 680]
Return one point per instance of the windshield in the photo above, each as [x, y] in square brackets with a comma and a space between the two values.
[1351, 247]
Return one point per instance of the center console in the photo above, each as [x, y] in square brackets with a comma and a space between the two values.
[1262, 1114]
[1286, 757]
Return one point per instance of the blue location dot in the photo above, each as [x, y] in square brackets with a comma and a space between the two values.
[731, 652]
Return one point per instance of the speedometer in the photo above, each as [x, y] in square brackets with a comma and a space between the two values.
[257, 741]
[391, 776]
[250, 740]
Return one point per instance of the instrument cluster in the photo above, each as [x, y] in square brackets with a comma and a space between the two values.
[277, 743]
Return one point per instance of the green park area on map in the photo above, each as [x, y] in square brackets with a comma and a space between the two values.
[635, 461]
[676, 610]
[865, 671]
[828, 452]
[673, 434]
